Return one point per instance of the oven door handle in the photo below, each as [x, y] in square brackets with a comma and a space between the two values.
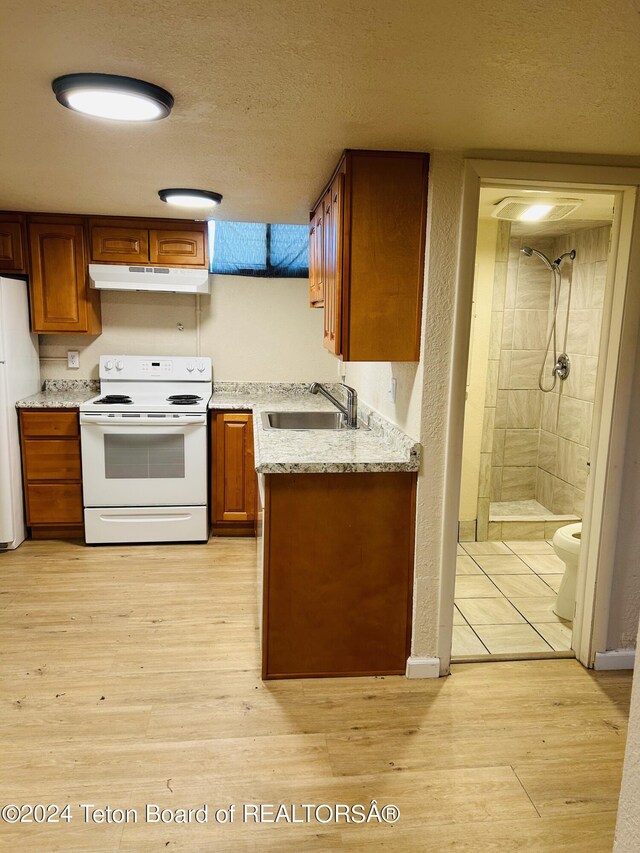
[91, 420]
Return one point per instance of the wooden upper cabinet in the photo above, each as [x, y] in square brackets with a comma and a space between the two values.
[316, 257]
[61, 299]
[373, 255]
[185, 248]
[333, 265]
[119, 245]
[158, 242]
[13, 252]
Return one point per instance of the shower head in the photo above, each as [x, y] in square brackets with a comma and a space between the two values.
[529, 251]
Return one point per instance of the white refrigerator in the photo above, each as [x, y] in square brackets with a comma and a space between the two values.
[19, 377]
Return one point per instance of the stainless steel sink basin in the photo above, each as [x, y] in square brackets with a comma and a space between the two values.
[305, 420]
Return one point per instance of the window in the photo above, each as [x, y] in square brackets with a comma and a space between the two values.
[259, 249]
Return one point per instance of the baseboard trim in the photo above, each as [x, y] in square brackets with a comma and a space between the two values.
[615, 659]
[423, 667]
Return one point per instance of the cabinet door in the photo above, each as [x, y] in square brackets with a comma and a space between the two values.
[119, 245]
[234, 476]
[12, 250]
[60, 297]
[180, 248]
[316, 258]
[333, 265]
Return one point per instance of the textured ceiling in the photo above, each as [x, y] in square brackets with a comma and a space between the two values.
[268, 92]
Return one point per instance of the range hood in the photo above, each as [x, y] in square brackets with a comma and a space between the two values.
[158, 279]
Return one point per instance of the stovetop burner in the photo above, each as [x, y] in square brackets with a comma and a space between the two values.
[184, 399]
[115, 399]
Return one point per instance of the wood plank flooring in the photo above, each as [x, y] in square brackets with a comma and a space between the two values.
[130, 675]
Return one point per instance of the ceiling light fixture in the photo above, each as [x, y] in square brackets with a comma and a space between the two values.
[190, 198]
[111, 96]
[535, 212]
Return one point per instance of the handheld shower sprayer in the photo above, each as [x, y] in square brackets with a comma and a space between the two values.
[562, 363]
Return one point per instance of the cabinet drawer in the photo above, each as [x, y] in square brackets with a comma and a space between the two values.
[55, 459]
[41, 423]
[120, 245]
[177, 247]
[54, 503]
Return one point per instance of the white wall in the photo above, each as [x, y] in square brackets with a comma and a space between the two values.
[628, 823]
[254, 330]
[625, 593]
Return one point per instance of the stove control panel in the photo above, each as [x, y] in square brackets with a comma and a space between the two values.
[160, 368]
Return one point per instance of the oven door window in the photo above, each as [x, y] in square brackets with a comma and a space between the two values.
[144, 457]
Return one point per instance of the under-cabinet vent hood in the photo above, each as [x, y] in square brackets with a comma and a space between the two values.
[158, 279]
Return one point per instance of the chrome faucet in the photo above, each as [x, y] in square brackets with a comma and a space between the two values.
[350, 411]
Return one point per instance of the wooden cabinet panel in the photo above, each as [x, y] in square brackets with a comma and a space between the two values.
[184, 248]
[54, 503]
[52, 472]
[316, 258]
[333, 265]
[51, 459]
[119, 245]
[13, 256]
[373, 250]
[61, 300]
[233, 474]
[42, 423]
[338, 574]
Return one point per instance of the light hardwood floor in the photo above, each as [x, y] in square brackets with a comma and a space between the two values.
[130, 675]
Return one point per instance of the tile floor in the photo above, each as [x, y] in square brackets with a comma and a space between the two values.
[505, 592]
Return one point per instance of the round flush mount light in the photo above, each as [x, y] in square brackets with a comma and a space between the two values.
[114, 97]
[190, 198]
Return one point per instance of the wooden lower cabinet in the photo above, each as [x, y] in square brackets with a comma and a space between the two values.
[52, 473]
[233, 476]
[337, 574]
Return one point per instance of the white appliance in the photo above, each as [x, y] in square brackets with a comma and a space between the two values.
[167, 279]
[144, 450]
[19, 377]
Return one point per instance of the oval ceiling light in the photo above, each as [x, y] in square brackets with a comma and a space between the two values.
[190, 198]
[112, 96]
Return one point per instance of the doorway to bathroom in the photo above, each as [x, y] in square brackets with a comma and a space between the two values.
[542, 287]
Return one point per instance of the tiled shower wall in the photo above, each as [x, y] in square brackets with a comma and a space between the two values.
[567, 412]
[535, 445]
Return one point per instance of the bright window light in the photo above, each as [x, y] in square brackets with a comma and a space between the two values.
[536, 211]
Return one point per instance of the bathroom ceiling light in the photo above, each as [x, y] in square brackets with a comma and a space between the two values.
[113, 97]
[535, 209]
[190, 198]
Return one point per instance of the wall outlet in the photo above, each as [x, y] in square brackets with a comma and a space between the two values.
[393, 385]
[73, 359]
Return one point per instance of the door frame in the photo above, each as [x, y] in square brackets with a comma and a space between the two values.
[620, 325]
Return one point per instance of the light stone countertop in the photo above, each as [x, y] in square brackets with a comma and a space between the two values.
[61, 394]
[382, 448]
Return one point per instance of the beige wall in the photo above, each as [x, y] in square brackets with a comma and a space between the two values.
[628, 823]
[372, 381]
[477, 373]
[254, 329]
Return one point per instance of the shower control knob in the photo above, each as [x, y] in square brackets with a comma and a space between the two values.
[108, 365]
[119, 365]
[190, 366]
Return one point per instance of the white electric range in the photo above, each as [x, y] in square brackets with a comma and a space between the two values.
[144, 450]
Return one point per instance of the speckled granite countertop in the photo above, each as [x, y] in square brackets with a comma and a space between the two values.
[61, 394]
[384, 447]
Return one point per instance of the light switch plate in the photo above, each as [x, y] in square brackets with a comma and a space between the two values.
[73, 359]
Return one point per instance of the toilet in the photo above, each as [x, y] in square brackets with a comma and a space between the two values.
[566, 544]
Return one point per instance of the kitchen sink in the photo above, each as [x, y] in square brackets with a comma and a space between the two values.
[305, 420]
